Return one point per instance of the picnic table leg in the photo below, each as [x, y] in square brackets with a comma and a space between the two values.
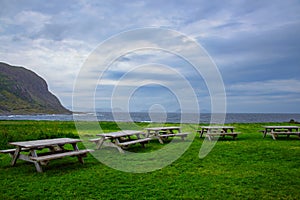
[209, 137]
[264, 133]
[75, 147]
[160, 140]
[148, 133]
[100, 143]
[116, 144]
[182, 138]
[201, 133]
[155, 134]
[37, 164]
[15, 156]
[139, 137]
[120, 149]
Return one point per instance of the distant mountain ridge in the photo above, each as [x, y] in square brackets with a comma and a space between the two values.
[24, 92]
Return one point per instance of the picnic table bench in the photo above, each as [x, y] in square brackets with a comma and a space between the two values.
[56, 150]
[217, 131]
[163, 133]
[120, 139]
[275, 131]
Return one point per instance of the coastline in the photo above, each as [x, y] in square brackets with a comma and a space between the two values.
[171, 117]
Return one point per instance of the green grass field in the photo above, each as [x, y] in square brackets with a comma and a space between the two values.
[249, 168]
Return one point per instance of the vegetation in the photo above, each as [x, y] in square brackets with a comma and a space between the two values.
[249, 168]
[24, 92]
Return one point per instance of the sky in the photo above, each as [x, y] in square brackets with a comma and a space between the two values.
[254, 46]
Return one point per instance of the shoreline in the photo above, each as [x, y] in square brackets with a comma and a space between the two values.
[204, 118]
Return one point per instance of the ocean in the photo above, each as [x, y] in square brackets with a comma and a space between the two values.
[169, 117]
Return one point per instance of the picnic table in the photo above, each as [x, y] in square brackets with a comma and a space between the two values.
[27, 151]
[165, 132]
[212, 131]
[120, 139]
[275, 131]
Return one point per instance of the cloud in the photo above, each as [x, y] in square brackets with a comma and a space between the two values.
[289, 86]
[253, 43]
[57, 62]
[270, 96]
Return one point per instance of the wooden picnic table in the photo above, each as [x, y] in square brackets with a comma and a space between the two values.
[275, 131]
[27, 151]
[120, 139]
[211, 131]
[165, 132]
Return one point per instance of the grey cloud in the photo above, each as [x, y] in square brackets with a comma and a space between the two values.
[251, 41]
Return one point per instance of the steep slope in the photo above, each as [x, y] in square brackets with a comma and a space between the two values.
[24, 92]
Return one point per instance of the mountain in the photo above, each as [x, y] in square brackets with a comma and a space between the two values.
[24, 92]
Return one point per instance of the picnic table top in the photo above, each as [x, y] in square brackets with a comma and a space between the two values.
[281, 127]
[121, 133]
[163, 128]
[217, 127]
[45, 142]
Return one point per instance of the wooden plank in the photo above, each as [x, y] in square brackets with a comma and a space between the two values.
[223, 133]
[45, 143]
[8, 151]
[217, 127]
[15, 156]
[281, 127]
[285, 133]
[95, 140]
[134, 142]
[11, 151]
[166, 136]
[60, 155]
[36, 164]
[275, 134]
[123, 133]
[174, 135]
[211, 135]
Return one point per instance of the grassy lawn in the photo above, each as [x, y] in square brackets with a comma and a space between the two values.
[249, 168]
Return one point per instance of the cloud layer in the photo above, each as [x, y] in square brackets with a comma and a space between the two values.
[255, 45]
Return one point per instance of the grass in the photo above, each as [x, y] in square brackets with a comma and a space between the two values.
[249, 168]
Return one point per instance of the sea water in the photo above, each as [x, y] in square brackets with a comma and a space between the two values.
[169, 117]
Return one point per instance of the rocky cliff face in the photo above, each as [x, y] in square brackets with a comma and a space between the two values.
[24, 92]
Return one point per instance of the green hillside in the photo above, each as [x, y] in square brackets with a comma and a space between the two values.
[24, 92]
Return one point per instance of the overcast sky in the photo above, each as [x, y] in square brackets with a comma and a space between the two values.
[254, 44]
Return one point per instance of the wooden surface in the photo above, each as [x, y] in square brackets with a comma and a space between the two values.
[46, 142]
[217, 131]
[56, 150]
[61, 155]
[164, 132]
[141, 141]
[217, 127]
[281, 127]
[165, 128]
[122, 133]
[275, 131]
[211, 136]
[120, 139]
